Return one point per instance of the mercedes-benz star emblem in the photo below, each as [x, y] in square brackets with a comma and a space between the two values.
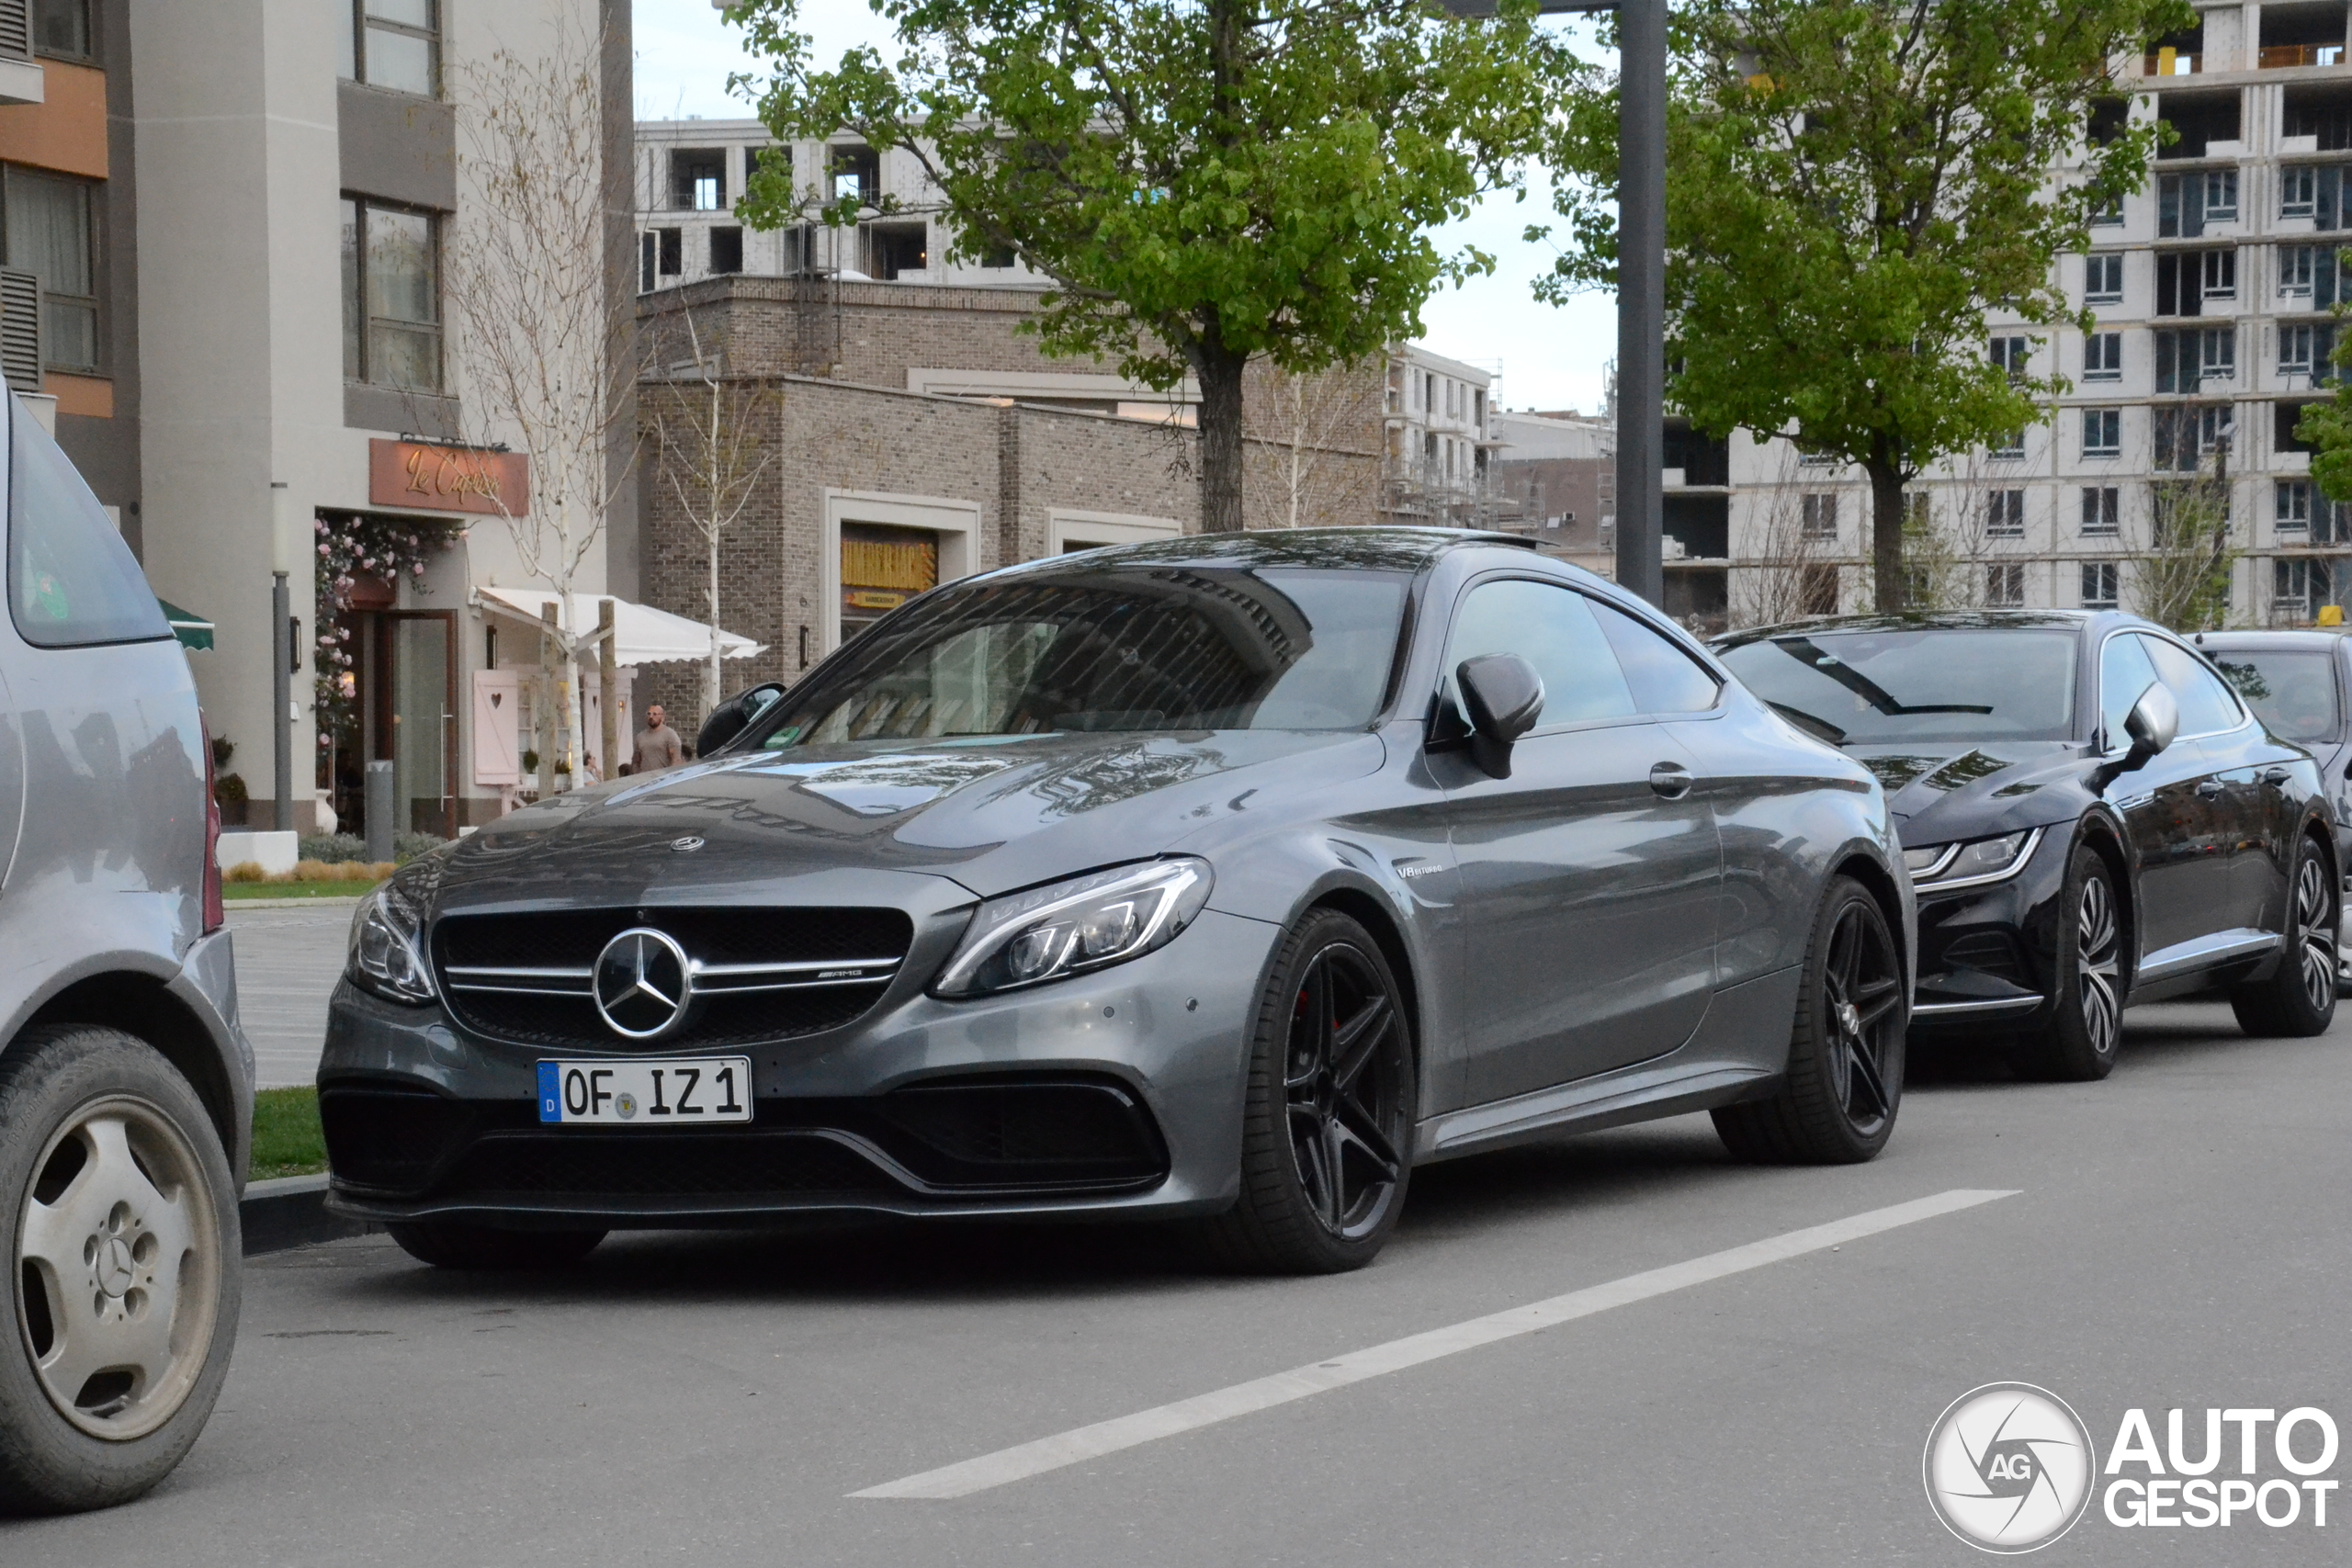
[643, 982]
[686, 845]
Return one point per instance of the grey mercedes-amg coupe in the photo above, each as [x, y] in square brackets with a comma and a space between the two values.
[1223, 879]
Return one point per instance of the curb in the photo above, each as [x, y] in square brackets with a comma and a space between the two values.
[292, 1211]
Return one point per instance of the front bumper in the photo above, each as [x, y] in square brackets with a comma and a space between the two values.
[1985, 951]
[1114, 1093]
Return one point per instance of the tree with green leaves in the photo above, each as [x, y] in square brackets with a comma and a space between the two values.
[1204, 182]
[1851, 186]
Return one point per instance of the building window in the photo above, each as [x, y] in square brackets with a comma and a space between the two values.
[2303, 349]
[1815, 459]
[2297, 190]
[2220, 275]
[1817, 591]
[2187, 435]
[857, 174]
[2099, 585]
[1819, 516]
[62, 28]
[2009, 446]
[394, 44]
[51, 231]
[2009, 354]
[2102, 433]
[2004, 585]
[2294, 505]
[2109, 216]
[2295, 271]
[2099, 509]
[2004, 514]
[2186, 359]
[697, 180]
[2103, 279]
[391, 298]
[726, 250]
[2299, 586]
[778, 158]
[2103, 357]
[2221, 195]
[2186, 280]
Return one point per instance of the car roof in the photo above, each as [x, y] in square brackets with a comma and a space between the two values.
[1380, 548]
[1929, 620]
[2249, 641]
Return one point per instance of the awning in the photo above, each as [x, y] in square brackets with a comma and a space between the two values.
[193, 630]
[641, 633]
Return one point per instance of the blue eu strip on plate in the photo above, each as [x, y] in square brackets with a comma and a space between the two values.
[550, 1092]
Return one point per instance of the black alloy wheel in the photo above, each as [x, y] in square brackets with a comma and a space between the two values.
[1328, 1117]
[2299, 998]
[2080, 1042]
[1844, 1085]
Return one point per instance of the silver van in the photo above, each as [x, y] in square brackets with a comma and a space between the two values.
[126, 1085]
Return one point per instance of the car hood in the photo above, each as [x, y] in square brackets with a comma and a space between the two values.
[994, 815]
[1938, 793]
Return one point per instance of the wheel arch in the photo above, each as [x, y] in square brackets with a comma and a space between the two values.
[142, 1006]
[1374, 915]
[2097, 833]
[1879, 883]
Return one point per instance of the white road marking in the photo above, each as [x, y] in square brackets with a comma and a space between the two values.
[1076, 1447]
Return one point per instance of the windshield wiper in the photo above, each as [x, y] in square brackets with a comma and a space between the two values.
[1810, 723]
[1829, 664]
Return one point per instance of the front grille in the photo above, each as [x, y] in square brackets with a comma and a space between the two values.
[760, 974]
[639, 1164]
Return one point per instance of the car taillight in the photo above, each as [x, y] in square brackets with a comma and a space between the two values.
[215, 916]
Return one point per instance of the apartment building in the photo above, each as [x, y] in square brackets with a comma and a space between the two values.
[1441, 441]
[225, 227]
[2213, 289]
[1554, 477]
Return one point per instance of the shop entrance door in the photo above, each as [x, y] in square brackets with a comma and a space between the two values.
[413, 677]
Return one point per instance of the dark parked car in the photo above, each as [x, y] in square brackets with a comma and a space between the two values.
[2090, 817]
[1223, 878]
[126, 1094]
[2299, 685]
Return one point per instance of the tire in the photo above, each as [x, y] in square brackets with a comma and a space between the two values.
[115, 1349]
[2084, 1032]
[1838, 1102]
[448, 1244]
[2299, 998]
[1328, 1111]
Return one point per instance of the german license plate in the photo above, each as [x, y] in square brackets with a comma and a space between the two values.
[666, 1091]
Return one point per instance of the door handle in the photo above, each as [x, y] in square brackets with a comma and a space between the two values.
[2209, 788]
[1670, 780]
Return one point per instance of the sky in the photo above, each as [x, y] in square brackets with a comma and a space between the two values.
[1548, 357]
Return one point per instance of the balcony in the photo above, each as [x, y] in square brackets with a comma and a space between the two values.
[2287, 56]
[2170, 63]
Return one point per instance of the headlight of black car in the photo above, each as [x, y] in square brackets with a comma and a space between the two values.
[1974, 861]
[1069, 928]
[387, 954]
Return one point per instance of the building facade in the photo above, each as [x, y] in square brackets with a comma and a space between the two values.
[227, 226]
[2213, 289]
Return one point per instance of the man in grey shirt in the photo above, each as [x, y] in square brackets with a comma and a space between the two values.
[657, 744]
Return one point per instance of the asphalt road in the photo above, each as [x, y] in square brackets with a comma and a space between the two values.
[2176, 1239]
[287, 963]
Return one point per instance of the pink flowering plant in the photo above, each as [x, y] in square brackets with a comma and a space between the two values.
[351, 548]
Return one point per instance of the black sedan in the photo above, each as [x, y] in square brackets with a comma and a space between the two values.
[1224, 880]
[2300, 684]
[2090, 813]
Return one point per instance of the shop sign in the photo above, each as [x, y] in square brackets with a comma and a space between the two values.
[420, 476]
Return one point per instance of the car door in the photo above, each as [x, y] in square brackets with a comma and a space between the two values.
[2252, 820]
[12, 784]
[2169, 809]
[1588, 878]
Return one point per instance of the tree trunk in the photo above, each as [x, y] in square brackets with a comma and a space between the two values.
[1886, 534]
[710, 675]
[1219, 370]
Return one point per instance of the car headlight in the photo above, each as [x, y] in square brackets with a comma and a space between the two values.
[1069, 928]
[1972, 861]
[387, 955]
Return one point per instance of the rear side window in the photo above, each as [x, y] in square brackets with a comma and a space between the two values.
[1664, 677]
[71, 581]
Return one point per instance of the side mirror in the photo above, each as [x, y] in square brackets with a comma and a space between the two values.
[731, 717]
[1504, 696]
[2152, 723]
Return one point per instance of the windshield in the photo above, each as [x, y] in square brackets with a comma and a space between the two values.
[1113, 648]
[1879, 688]
[2293, 693]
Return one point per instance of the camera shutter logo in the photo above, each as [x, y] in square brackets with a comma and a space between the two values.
[643, 982]
[2008, 1467]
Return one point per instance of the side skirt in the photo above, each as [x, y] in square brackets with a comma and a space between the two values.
[1738, 1052]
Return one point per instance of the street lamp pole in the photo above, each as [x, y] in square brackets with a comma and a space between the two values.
[1641, 280]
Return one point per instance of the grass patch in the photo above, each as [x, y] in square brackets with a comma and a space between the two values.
[288, 1140]
[235, 892]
